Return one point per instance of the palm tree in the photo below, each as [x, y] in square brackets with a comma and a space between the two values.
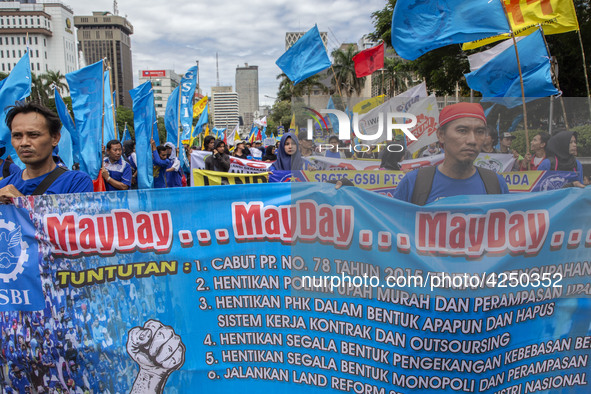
[344, 69]
[395, 78]
[56, 79]
[39, 91]
[287, 90]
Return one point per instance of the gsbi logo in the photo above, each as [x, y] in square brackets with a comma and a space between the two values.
[13, 251]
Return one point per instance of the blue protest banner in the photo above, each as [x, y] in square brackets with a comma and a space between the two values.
[282, 286]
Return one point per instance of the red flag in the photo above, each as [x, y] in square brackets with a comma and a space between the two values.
[369, 60]
[99, 183]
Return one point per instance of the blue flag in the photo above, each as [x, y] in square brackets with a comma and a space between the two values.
[498, 79]
[69, 149]
[109, 120]
[86, 90]
[305, 58]
[218, 132]
[188, 85]
[420, 26]
[15, 87]
[171, 116]
[66, 152]
[334, 121]
[126, 135]
[203, 119]
[143, 114]
[155, 134]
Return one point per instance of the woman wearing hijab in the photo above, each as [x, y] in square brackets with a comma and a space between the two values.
[391, 160]
[562, 149]
[270, 154]
[289, 157]
[174, 178]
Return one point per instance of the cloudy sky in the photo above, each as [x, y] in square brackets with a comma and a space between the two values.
[173, 34]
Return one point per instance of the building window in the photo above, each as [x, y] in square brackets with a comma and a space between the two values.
[12, 40]
[18, 40]
[98, 34]
[3, 69]
[13, 53]
[38, 68]
[39, 21]
[30, 40]
[44, 42]
[19, 53]
[156, 105]
[45, 55]
[36, 41]
[8, 21]
[2, 54]
[36, 52]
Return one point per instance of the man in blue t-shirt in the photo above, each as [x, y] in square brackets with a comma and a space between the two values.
[462, 130]
[160, 164]
[116, 172]
[35, 131]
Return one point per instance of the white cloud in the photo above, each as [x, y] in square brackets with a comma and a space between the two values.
[173, 34]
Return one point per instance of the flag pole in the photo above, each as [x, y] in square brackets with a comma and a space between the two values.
[112, 101]
[520, 78]
[178, 142]
[337, 83]
[103, 110]
[585, 69]
[554, 78]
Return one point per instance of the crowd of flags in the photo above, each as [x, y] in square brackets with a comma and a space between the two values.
[417, 28]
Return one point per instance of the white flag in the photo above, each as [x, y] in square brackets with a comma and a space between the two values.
[481, 58]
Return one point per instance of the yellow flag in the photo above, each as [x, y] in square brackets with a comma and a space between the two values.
[367, 105]
[199, 106]
[292, 125]
[555, 16]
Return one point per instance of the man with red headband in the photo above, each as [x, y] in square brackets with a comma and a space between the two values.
[462, 130]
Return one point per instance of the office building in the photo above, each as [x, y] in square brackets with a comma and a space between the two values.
[224, 107]
[50, 34]
[247, 87]
[104, 35]
[163, 83]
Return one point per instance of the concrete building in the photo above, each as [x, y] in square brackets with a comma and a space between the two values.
[163, 83]
[247, 87]
[50, 36]
[224, 107]
[101, 35]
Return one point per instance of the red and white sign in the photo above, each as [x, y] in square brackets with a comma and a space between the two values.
[153, 73]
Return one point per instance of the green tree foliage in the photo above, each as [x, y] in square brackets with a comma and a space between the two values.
[56, 79]
[280, 116]
[444, 67]
[344, 70]
[567, 50]
[124, 115]
[288, 91]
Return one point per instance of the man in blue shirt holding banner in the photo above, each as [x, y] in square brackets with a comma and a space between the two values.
[116, 172]
[35, 131]
[462, 130]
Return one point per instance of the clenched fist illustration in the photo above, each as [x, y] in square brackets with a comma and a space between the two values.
[158, 351]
